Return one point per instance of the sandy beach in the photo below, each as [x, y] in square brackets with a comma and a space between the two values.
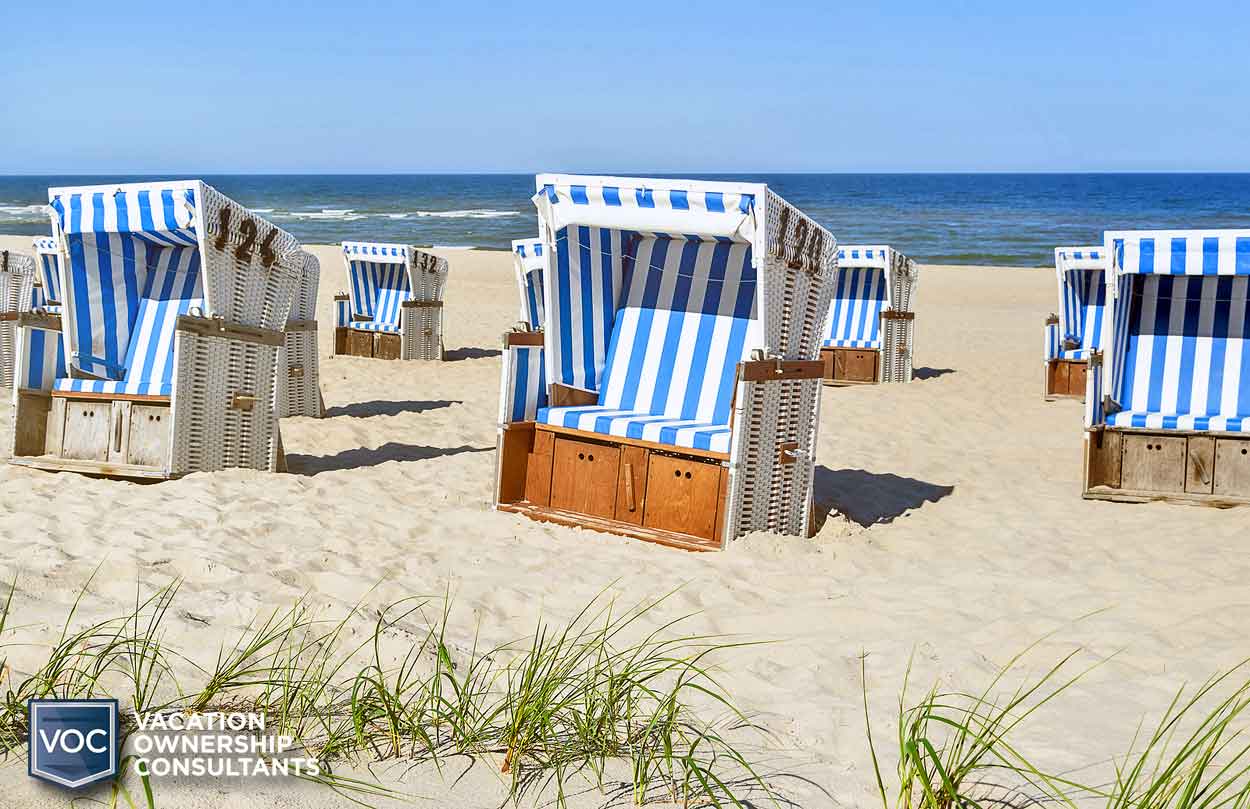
[950, 520]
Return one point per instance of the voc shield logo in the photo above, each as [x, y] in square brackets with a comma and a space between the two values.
[73, 743]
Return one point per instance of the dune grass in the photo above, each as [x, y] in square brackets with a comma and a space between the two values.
[551, 712]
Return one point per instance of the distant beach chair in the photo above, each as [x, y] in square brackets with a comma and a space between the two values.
[300, 381]
[870, 330]
[394, 306]
[1167, 407]
[175, 301]
[48, 280]
[19, 293]
[1076, 332]
[674, 395]
[528, 257]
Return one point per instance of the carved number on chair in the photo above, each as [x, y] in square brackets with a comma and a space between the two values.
[244, 251]
[223, 229]
[809, 242]
[267, 257]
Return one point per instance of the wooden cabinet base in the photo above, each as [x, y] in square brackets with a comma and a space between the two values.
[851, 366]
[1065, 379]
[1140, 466]
[620, 486]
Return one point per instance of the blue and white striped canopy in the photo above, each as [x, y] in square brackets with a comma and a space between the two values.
[378, 283]
[134, 268]
[530, 260]
[648, 206]
[1214, 252]
[1178, 353]
[861, 293]
[1082, 281]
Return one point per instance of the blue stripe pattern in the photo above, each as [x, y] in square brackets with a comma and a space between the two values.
[1180, 332]
[676, 199]
[860, 295]
[133, 269]
[378, 283]
[686, 318]
[530, 281]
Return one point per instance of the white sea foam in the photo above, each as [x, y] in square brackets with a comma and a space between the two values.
[23, 213]
[334, 214]
[470, 213]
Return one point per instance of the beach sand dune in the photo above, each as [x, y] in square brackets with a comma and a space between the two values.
[951, 527]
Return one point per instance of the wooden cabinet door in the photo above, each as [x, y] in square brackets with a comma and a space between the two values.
[360, 343]
[682, 495]
[1232, 467]
[148, 435]
[1154, 463]
[584, 477]
[854, 365]
[88, 428]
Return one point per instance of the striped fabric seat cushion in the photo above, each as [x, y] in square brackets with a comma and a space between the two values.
[686, 318]
[641, 425]
[112, 387]
[374, 325]
[854, 319]
[1186, 362]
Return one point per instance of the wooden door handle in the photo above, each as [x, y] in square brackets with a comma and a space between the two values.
[243, 401]
[629, 488]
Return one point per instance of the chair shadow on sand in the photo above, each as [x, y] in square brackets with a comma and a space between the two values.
[931, 373]
[311, 465]
[470, 353]
[869, 499]
[379, 407]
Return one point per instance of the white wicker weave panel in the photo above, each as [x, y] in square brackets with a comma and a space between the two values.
[251, 267]
[896, 349]
[422, 328]
[209, 433]
[795, 238]
[17, 279]
[428, 274]
[304, 303]
[765, 494]
[300, 395]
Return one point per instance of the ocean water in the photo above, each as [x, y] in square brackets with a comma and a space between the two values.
[1010, 219]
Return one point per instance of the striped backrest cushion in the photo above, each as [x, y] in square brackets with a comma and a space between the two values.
[170, 288]
[687, 318]
[588, 268]
[1084, 302]
[114, 240]
[49, 269]
[859, 297]
[378, 280]
[1184, 346]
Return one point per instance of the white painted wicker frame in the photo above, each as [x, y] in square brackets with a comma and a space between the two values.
[226, 357]
[299, 381]
[796, 260]
[422, 325]
[17, 282]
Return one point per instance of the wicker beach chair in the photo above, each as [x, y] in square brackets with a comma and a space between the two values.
[48, 278]
[394, 306]
[175, 301]
[528, 257]
[300, 378]
[870, 330]
[1167, 407]
[1076, 332]
[674, 394]
[19, 293]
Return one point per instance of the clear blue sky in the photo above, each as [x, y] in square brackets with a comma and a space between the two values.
[216, 86]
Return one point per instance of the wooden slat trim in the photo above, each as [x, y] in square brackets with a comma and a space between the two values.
[411, 304]
[112, 397]
[210, 327]
[103, 468]
[523, 338]
[768, 370]
[301, 325]
[574, 520]
[890, 314]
